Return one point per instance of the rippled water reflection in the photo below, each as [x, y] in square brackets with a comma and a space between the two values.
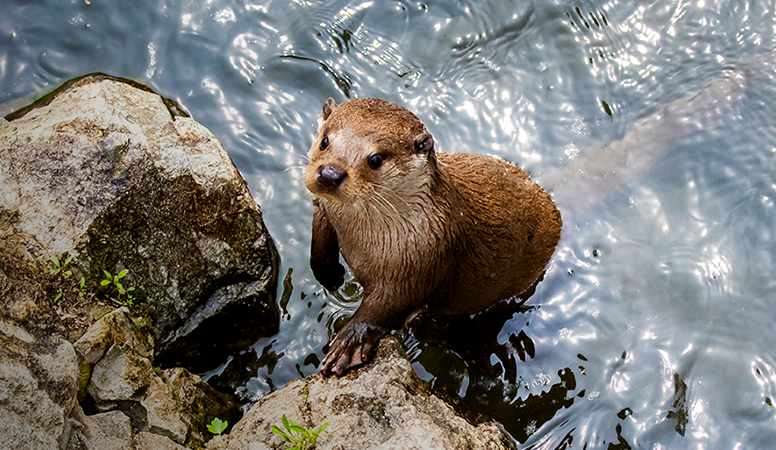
[653, 327]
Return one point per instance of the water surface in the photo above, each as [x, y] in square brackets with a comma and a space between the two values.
[653, 327]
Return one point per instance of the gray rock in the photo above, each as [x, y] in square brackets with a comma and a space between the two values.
[126, 381]
[150, 441]
[115, 327]
[162, 413]
[209, 333]
[105, 431]
[119, 375]
[381, 406]
[199, 404]
[114, 360]
[38, 385]
[110, 173]
[110, 430]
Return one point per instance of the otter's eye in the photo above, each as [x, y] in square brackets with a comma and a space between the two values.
[324, 142]
[375, 161]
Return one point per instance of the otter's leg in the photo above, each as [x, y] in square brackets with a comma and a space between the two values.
[324, 253]
[352, 346]
[381, 311]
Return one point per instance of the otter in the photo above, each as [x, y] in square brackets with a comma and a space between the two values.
[446, 233]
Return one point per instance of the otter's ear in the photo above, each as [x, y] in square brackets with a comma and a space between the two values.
[328, 107]
[424, 143]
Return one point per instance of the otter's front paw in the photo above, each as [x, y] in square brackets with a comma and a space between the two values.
[331, 277]
[352, 347]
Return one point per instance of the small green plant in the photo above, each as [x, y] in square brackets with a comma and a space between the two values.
[80, 289]
[61, 266]
[217, 426]
[298, 436]
[115, 281]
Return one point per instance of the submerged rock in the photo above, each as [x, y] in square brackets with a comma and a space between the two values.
[108, 172]
[383, 405]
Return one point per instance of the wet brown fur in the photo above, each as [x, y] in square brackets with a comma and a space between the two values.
[451, 233]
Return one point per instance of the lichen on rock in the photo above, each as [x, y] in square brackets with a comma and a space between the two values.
[38, 384]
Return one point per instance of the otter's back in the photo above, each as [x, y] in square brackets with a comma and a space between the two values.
[514, 226]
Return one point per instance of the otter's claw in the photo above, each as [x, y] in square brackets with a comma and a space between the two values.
[352, 347]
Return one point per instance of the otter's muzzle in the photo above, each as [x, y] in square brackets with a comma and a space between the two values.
[329, 176]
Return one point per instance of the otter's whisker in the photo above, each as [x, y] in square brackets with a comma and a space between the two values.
[386, 202]
[300, 168]
[394, 194]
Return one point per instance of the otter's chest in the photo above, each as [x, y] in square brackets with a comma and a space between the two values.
[377, 240]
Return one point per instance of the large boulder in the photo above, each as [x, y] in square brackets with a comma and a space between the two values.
[383, 405]
[110, 173]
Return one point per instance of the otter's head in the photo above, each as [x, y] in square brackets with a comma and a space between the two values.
[369, 150]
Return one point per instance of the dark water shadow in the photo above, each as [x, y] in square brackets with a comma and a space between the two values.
[471, 367]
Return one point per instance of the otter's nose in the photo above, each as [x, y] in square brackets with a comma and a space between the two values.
[330, 176]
